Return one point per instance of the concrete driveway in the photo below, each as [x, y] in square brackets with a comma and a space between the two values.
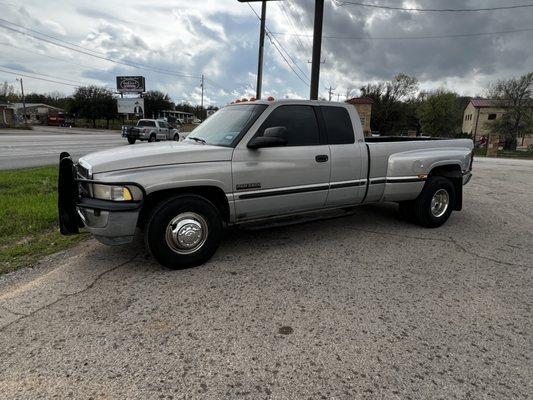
[365, 306]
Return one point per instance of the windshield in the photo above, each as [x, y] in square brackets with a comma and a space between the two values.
[224, 127]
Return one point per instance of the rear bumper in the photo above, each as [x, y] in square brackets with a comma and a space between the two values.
[111, 222]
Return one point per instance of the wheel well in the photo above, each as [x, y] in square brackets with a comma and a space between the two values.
[454, 174]
[211, 193]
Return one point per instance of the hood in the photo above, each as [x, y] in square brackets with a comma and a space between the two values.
[152, 154]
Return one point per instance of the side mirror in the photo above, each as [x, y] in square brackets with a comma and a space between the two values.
[272, 137]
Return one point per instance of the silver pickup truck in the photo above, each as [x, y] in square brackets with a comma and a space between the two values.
[150, 130]
[251, 162]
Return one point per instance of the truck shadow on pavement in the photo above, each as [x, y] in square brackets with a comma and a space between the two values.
[250, 240]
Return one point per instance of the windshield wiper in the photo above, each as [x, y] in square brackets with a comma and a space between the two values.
[197, 139]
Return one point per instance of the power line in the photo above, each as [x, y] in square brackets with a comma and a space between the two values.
[286, 61]
[52, 57]
[40, 79]
[89, 52]
[273, 41]
[285, 13]
[459, 35]
[342, 3]
[36, 73]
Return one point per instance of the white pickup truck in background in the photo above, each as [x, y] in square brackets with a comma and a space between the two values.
[150, 130]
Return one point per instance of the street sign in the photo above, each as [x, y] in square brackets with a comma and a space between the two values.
[130, 106]
[131, 84]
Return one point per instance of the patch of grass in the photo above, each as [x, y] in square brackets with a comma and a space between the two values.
[506, 154]
[28, 217]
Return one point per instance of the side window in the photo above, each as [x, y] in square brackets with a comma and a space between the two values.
[300, 121]
[338, 125]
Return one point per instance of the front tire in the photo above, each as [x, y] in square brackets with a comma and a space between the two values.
[152, 138]
[177, 137]
[184, 231]
[131, 140]
[434, 205]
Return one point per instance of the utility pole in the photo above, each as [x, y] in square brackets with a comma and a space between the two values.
[23, 100]
[330, 92]
[317, 46]
[202, 86]
[261, 47]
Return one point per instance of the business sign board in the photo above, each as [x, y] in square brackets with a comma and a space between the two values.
[131, 84]
[130, 106]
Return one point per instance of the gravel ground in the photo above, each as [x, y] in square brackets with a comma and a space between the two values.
[364, 306]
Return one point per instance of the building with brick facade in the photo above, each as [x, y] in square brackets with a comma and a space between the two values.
[363, 105]
[479, 112]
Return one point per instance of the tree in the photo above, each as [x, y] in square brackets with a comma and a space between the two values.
[55, 99]
[440, 113]
[515, 96]
[390, 103]
[7, 94]
[93, 102]
[156, 101]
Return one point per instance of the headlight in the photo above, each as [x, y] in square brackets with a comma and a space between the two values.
[110, 192]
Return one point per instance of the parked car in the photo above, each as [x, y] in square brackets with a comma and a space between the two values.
[150, 130]
[251, 162]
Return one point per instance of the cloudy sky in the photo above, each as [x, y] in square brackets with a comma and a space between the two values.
[176, 41]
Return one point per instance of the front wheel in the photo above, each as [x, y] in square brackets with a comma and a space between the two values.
[433, 206]
[152, 138]
[184, 231]
[177, 137]
[131, 140]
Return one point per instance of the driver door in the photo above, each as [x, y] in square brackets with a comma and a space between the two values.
[287, 179]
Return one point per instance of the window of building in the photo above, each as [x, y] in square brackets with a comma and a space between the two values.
[338, 125]
[300, 121]
[492, 116]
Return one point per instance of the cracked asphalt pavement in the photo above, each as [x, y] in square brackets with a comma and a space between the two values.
[363, 306]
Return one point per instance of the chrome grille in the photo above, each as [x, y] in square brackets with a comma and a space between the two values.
[83, 172]
[84, 189]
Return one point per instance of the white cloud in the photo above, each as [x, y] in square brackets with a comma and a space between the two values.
[219, 38]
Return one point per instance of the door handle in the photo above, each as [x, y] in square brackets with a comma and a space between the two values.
[322, 158]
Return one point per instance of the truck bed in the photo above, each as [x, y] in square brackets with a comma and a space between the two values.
[397, 165]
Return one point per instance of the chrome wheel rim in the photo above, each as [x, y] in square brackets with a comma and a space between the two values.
[186, 233]
[440, 203]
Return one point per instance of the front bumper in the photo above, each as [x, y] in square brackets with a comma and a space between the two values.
[111, 222]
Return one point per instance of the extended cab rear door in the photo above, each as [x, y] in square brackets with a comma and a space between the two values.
[348, 156]
[281, 180]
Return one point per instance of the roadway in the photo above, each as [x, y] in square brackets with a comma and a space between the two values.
[361, 307]
[41, 146]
